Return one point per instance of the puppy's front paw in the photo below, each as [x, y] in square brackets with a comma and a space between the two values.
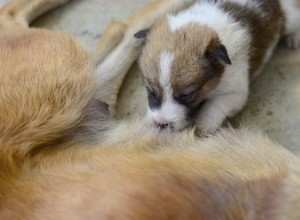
[292, 41]
[199, 133]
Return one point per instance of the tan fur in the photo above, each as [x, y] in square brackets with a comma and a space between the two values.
[113, 34]
[129, 171]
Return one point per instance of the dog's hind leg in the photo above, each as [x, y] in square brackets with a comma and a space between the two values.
[22, 12]
[111, 67]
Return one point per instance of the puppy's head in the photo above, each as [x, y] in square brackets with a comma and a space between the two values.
[181, 67]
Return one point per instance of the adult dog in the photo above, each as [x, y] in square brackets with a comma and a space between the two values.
[63, 157]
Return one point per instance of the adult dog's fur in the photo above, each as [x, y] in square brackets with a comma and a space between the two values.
[63, 157]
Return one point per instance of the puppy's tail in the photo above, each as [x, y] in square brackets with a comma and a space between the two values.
[22, 12]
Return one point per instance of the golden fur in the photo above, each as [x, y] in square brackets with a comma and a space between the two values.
[57, 161]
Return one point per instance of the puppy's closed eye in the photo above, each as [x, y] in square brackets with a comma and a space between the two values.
[153, 99]
[186, 98]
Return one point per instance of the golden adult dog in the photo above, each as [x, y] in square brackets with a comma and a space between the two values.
[63, 157]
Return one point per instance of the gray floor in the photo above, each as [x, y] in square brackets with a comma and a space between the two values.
[274, 103]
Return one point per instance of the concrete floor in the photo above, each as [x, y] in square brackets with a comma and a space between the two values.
[274, 103]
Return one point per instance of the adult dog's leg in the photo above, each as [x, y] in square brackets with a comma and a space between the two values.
[112, 36]
[22, 12]
[121, 49]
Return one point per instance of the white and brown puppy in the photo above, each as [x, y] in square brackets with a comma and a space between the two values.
[197, 62]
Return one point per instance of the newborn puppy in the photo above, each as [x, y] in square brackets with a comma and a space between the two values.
[197, 62]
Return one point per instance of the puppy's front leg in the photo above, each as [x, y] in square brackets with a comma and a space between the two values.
[216, 110]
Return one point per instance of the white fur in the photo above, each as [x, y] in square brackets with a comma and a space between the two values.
[229, 97]
[292, 14]
[207, 13]
[203, 13]
[165, 65]
[170, 111]
[247, 3]
[292, 30]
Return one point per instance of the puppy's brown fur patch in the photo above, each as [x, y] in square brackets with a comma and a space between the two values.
[264, 28]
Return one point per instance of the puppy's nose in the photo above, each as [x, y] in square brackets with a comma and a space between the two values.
[162, 126]
[162, 122]
[165, 126]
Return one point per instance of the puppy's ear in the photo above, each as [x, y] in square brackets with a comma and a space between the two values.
[142, 33]
[218, 51]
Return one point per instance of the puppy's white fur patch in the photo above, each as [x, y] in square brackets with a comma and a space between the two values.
[165, 65]
[292, 13]
[203, 13]
[292, 32]
[170, 111]
[246, 3]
